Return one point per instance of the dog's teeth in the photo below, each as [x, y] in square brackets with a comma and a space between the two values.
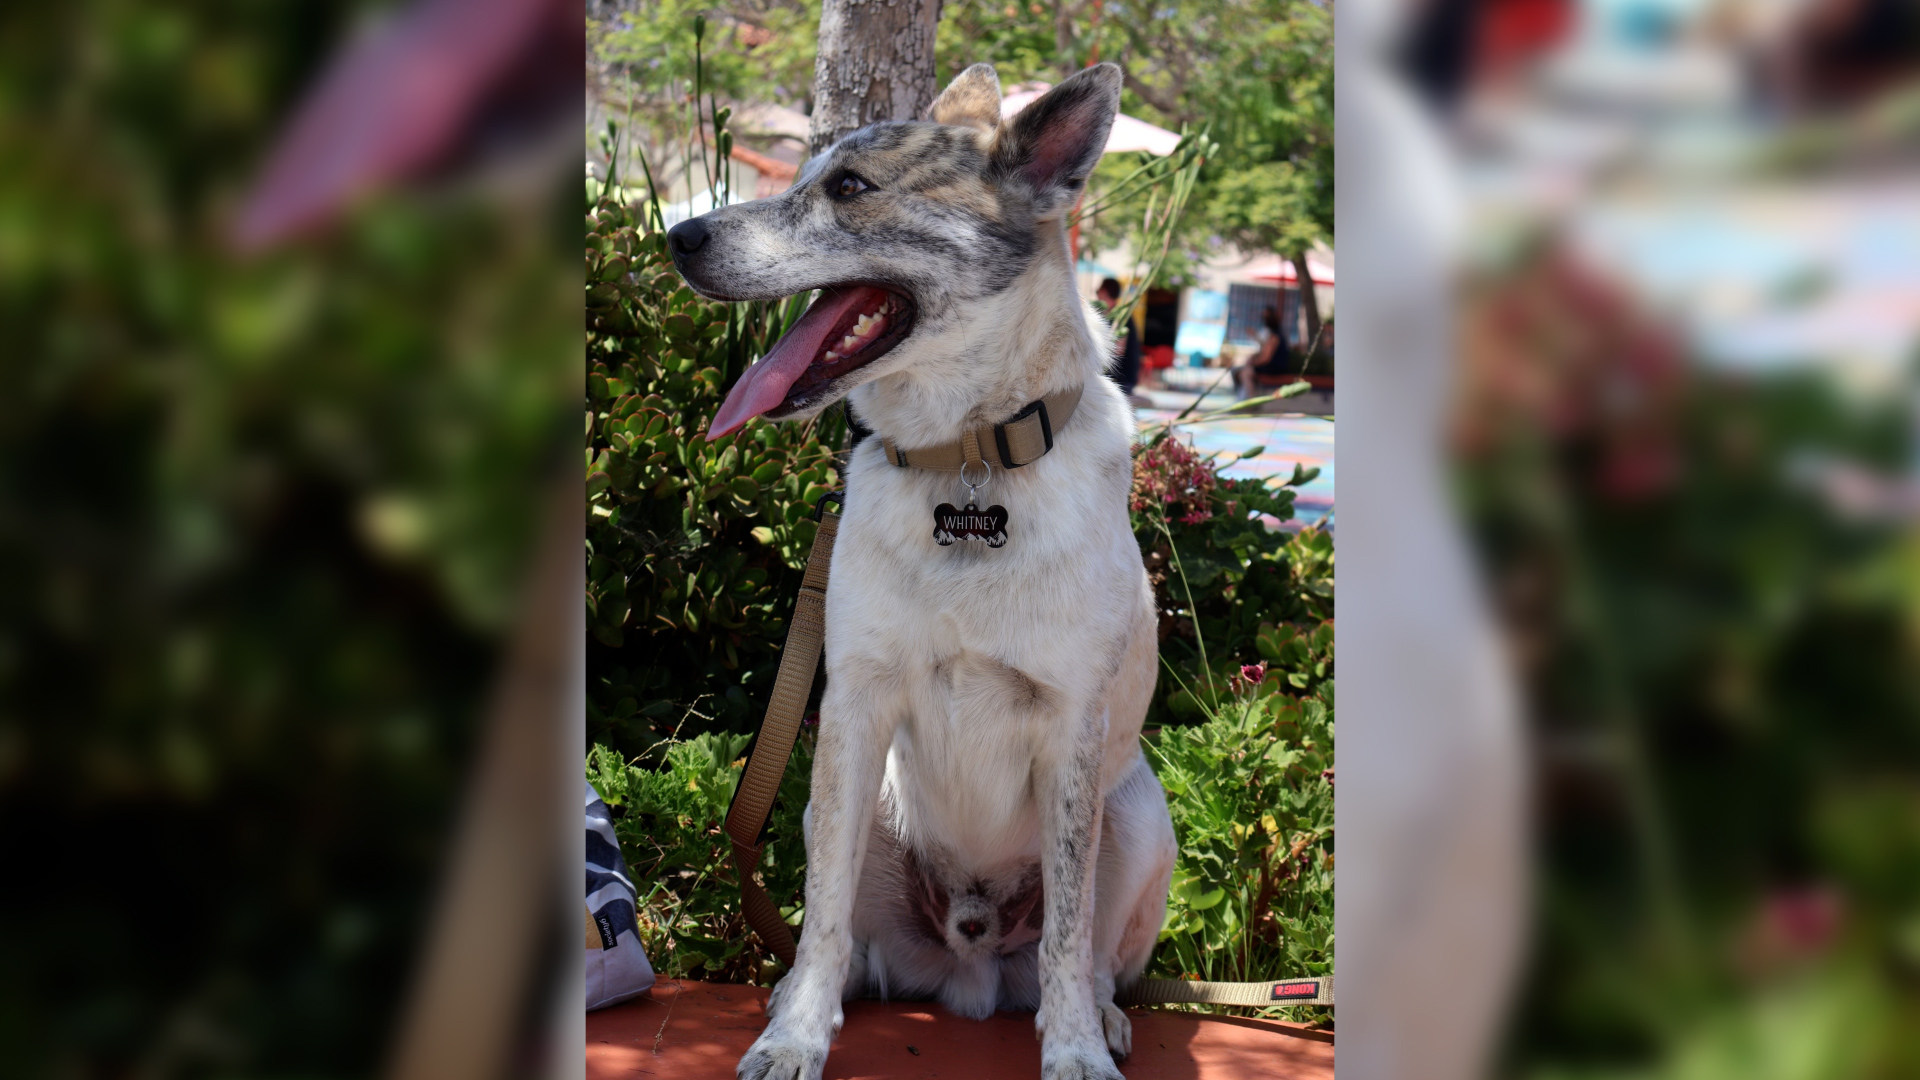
[849, 343]
[832, 356]
[879, 324]
[861, 326]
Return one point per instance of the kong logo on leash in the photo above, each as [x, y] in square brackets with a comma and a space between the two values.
[1297, 990]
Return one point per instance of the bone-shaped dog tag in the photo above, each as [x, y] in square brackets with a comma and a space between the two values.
[971, 523]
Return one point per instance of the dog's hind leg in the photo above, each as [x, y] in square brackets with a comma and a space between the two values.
[1067, 787]
[855, 730]
[1137, 851]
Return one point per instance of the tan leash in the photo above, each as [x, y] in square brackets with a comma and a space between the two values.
[752, 808]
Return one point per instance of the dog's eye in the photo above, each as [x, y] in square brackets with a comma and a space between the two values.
[849, 186]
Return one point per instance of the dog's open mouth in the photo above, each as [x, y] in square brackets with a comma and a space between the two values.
[848, 327]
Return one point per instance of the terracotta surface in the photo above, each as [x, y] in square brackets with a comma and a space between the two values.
[697, 1031]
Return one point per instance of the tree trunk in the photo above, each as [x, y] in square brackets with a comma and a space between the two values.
[1309, 302]
[875, 63]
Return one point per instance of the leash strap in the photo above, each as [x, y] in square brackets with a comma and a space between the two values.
[1022, 440]
[752, 807]
[1183, 992]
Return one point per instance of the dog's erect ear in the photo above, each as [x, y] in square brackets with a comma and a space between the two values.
[972, 99]
[1054, 143]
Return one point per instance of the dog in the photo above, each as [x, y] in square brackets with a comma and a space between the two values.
[983, 828]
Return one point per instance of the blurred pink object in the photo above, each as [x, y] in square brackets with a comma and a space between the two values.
[406, 98]
[1803, 920]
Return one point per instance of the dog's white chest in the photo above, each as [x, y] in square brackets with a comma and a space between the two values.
[991, 658]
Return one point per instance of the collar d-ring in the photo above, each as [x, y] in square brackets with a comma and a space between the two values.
[983, 481]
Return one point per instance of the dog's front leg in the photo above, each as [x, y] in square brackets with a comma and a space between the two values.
[848, 763]
[1067, 781]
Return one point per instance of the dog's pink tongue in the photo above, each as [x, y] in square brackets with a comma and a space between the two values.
[764, 385]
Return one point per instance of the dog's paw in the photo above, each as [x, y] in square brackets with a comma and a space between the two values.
[786, 992]
[1118, 1028]
[777, 1055]
[1078, 1063]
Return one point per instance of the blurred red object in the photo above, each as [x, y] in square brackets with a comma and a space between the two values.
[412, 96]
[1791, 926]
[1513, 32]
[1804, 920]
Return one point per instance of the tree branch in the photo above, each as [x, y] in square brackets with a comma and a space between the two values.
[1153, 97]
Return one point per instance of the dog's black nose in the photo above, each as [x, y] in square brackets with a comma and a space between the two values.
[973, 928]
[688, 237]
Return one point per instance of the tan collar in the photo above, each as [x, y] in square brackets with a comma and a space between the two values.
[1023, 440]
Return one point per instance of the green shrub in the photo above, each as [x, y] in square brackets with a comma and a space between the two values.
[694, 546]
[668, 808]
[1251, 794]
[1717, 645]
[1230, 588]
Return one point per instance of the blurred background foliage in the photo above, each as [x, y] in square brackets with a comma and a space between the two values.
[1711, 590]
[261, 523]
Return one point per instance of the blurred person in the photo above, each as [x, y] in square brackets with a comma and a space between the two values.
[1271, 358]
[1125, 371]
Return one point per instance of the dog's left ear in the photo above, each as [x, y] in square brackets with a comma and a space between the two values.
[1054, 143]
[972, 99]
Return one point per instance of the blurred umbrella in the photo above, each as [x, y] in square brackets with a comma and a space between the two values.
[1128, 134]
[1275, 268]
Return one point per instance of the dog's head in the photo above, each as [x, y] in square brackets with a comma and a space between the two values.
[900, 226]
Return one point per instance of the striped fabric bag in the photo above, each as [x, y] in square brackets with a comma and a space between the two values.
[617, 967]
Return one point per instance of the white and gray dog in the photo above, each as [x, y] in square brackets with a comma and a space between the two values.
[984, 829]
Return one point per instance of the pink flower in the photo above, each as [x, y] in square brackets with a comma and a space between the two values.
[1805, 920]
[1170, 474]
[1254, 674]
